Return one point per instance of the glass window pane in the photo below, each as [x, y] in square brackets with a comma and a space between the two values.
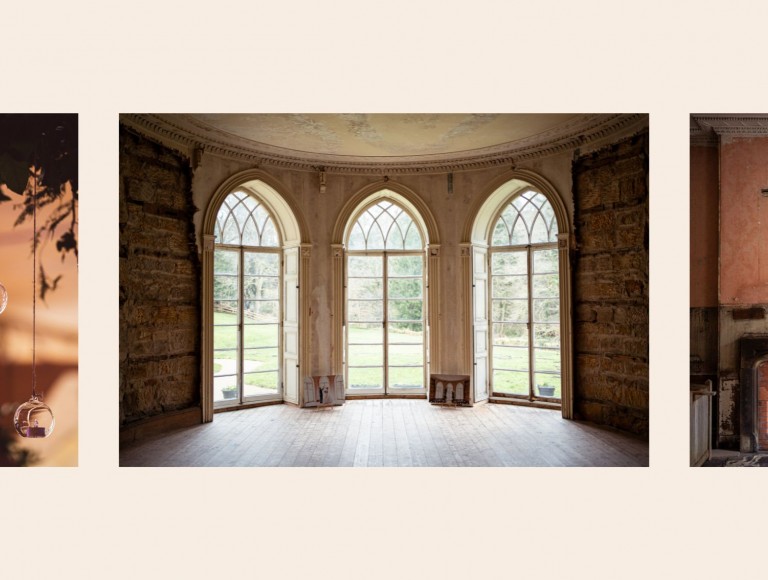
[365, 311]
[405, 266]
[510, 311]
[406, 354]
[509, 263]
[261, 264]
[539, 233]
[365, 378]
[546, 384]
[511, 358]
[255, 384]
[545, 261]
[269, 237]
[261, 311]
[510, 382]
[225, 287]
[375, 238]
[395, 240]
[406, 378]
[225, 389]
[356, 238]
[546, 360]
[510, 334]
[251, 233]
[366, 355]
[365, 288]
[365, 266]
[255, 335]
[546, 286]
[224, 363]
[224, 337]
[547, 335]
[365, 333]
[405, 309]
[408, 332]
[546, 310]
[231, 232]
[406, 287]
[510, 287]
[261, 287]
[413, 238]
[225, 262]
[260, 359]
[225, 312]
[500, 235]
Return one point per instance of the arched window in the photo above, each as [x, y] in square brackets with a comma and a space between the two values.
[246, 302]
[524, 289]
[385, 302]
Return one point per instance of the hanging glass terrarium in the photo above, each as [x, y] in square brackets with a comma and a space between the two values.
[3, 298]
[34, 419]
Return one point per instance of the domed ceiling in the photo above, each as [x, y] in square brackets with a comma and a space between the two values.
[382, 142]
[381, 135]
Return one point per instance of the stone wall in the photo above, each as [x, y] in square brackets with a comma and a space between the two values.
[611, 285]
[159, 282]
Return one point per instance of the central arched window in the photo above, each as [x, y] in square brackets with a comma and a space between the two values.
[385, 302]
[524, 286]
[246, 302]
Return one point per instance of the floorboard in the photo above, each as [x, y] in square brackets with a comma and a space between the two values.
[388, 433]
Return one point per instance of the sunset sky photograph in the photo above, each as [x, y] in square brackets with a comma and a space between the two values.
[44, 146]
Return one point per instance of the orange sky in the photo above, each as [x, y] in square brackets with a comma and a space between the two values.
[57, 317]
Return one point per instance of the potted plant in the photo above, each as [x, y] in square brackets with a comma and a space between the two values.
[229, 392]
[546, 390]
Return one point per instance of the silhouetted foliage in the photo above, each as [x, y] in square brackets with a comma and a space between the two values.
[38, 164]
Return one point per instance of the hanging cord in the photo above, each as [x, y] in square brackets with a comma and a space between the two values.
[34, 277]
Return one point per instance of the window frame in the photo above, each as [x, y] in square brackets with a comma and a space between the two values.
[385, 389]
[531, 323]
[241, 398]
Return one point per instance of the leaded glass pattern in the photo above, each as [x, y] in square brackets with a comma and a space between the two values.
[244, 221]
[528, 219]
[385, 226]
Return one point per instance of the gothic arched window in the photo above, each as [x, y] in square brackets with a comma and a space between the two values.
[524, 287]
[246, 302]
[385, 302]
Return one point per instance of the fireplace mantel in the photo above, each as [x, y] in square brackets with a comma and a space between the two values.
[754, 352]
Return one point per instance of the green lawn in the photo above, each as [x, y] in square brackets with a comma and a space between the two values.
[371, 352]
[256, 359]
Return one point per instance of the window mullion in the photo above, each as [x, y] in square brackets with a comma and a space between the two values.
[385, 312]
[531, 370]
[240, 332]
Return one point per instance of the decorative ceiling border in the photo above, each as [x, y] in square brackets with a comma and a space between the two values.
[180, 133]
[708, 129]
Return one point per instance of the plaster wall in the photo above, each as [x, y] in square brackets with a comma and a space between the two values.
[704, 226]
[743, 221]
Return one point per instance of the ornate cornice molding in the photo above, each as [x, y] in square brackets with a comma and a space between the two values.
[707, 130]
[185, 134]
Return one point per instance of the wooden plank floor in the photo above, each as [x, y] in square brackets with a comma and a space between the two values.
[390, 433]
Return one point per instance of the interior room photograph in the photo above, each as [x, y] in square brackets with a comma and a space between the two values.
[384, 290]
[729, 290]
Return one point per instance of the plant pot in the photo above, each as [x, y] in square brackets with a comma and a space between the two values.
[229, 394]
[546, 391]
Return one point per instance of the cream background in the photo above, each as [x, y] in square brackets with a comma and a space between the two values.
[665, 58]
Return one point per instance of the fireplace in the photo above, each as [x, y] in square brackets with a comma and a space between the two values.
[753, 399]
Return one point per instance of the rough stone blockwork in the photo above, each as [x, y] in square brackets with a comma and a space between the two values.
[159, 282]
[611, 285]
